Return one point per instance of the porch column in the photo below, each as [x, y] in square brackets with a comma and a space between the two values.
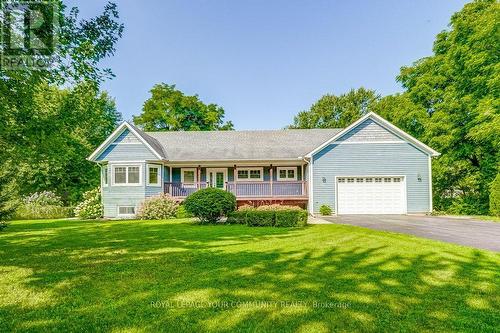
[235, 176]
[271, 175]
[302, 178]
[198, 176]
[170, 180]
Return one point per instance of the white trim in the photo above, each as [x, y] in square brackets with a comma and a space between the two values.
[430, 186]
[125, 215]
[236, 178]
[115, 134]
[405, 196]
[153, 166]
[278, 177]
[126, 174]
[311, 187]
[125, 143]
[195, 176]
[384, 123]
[224, 170]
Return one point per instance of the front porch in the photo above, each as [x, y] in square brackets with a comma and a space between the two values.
[250, 184]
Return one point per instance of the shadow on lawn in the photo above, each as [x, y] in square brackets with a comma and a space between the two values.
[69, 276]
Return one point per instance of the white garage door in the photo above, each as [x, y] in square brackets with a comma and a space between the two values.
[371, 195]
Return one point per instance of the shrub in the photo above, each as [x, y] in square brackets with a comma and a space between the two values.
[260, 217]
[325, 210]
[291, 218]
[91, 206]
[495, 196]
[45, 198]
[182, 213]
[238, 217]
[32, 212]
[245, 207]
[158, 207]
[276, 207]
[210, 204]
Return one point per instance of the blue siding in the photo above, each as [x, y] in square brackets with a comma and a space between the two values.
[126, 147]
[368, 131]
[126, 137]
[371, 159]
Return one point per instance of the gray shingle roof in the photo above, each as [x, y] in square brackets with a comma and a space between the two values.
[238, 145]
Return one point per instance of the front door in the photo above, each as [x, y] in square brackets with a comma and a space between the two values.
[217, 178]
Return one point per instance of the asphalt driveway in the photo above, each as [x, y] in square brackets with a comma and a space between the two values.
[469, 232]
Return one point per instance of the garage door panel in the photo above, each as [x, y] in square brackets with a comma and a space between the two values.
[371, 195]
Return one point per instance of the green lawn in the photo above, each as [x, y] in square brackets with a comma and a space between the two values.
[137, 276]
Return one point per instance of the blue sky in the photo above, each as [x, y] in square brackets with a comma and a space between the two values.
[266, 60]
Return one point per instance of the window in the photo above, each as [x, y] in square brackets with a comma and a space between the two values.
[359, 180]
[105, 176]
[350, 180]
[387, 180]
[368, 180]
[287, 173]
[397, 180]
[341, 180]
[378, 180]
[249, 174]
[188, 176]
[126, 210]
[126, 175]
[154, 175]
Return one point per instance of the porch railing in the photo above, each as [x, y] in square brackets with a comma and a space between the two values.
[266, 189]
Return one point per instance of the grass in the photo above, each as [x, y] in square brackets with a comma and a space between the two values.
[143, 276]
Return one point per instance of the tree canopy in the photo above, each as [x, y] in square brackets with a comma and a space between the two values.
[169, 109]
[332, 111]
[450, 102]
[51, 118]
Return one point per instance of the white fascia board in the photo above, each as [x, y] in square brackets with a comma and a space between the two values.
[384, 123]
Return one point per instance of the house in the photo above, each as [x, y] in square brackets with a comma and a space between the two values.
[370, 167]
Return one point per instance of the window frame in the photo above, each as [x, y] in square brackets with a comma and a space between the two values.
[125, 215]
[280, 179]
[126, 166]
[154, 166]
[195, 171]
[104, 176]
[260, 169]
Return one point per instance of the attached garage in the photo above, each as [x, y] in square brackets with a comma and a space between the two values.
[371, 195]
[371, 167]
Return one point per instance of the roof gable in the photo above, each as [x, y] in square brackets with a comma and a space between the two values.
[130, 134]
[373, 122]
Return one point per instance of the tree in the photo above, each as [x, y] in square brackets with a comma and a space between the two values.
[457, 87]
[168, 109]
[332, 111]
[47, 131]
[6, 208]
[63, 129]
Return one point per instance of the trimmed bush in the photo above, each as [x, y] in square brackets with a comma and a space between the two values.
[495, 196]
[182, 213]
[159, 207]
[291, 218]
[276, 207]
[210, 204]
[260, 218]
[33, 212]
[91, 206]
[238, 217]
[245, 207]
[42, 205]
[325, 210]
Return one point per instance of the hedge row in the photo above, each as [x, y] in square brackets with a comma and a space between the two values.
[269, 218]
